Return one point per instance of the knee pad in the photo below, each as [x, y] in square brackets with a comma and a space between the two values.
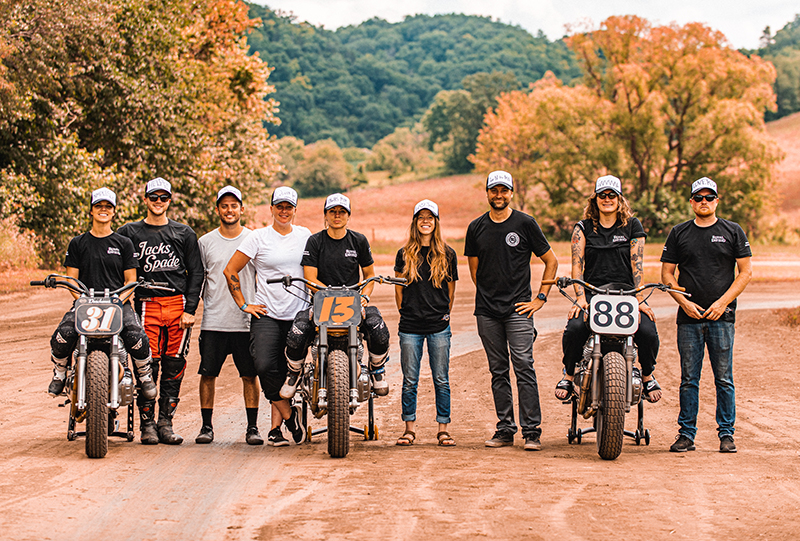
[63, 342]
[376, 330]
[173, 368]
[297, 339]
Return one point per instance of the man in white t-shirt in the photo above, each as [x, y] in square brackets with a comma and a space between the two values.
[225, 329]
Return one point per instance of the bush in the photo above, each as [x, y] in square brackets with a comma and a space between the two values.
[17, 248]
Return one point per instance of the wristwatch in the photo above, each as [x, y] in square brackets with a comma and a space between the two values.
[542, 297]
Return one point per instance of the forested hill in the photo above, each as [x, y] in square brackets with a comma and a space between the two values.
[359, 83]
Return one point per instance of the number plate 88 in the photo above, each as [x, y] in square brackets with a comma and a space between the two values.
[614, 314]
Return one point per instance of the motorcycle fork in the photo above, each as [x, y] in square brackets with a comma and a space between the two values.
[113, 373]
[597, 355]
[629, 366]
[80, 375]
[352, 347]
[322, 359]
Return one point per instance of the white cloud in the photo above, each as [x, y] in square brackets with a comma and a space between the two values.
[742, 21]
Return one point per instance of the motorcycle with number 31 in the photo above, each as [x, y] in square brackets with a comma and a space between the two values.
[606, 381]
[99, 383]
[334, 381]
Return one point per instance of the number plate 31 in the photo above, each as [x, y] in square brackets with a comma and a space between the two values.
[614, 314]
[98, 317]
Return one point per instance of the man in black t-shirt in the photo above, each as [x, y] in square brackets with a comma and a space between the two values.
[102, 259]
[337, 256]
[706, 252]
[498, 246]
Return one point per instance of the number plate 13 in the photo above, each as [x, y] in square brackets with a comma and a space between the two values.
[337, 308]
[614, 314]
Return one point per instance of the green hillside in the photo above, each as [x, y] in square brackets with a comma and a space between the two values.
[783, 50]
[357, 84]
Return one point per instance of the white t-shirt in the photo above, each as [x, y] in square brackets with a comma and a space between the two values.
[274, 256]
[220, 312]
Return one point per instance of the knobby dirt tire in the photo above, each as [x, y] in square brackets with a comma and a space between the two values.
[338, 374]
[97, 405]
[611, 417]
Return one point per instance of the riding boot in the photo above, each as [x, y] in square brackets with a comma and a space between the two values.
[295, 369]
[166, 410]
[144, 373]
[59, 376]
[377, 372]
[147, 422]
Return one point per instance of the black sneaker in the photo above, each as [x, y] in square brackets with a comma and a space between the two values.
[56, 386]
[532, 443]
[500, 439]
[206, 435]
[253, 436]
[295, 424]
[682, 444]
[726, 445]
[276, 439]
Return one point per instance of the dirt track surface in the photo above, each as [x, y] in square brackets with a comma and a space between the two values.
[228, 490]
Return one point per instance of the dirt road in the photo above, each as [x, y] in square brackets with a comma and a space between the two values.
[228, 490]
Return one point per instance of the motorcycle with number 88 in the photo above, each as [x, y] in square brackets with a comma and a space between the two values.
[99, 383]
[606, 379]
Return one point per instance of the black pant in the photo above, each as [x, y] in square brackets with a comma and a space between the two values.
[301, 333]
[267, 347]
[577, 332]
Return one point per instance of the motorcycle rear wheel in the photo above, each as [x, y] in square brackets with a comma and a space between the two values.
[338, 369]
[611, 416]
[97, 405]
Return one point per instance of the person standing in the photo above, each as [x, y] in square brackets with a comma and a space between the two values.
[225, 330]
[498, 247]
[167, 252]
[712, 258]
[608, 247]
[337, 256]
[274, 252]
[102, 259]
[431, 270]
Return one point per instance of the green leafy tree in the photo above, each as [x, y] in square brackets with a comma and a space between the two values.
[783, 50]
[322, 171]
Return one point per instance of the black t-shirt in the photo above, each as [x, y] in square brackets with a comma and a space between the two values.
[168, 253]
[101, 261]
[504, 257]
[337, 260]
[706, 259]
[608, 252]
[426, 309]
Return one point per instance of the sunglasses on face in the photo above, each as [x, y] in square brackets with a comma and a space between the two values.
[607, 195]
[710, 197]
[163, 197]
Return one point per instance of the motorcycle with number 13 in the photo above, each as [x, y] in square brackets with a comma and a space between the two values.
[605, 378]
[99, 382]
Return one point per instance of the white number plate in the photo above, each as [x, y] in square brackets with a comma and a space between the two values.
[614, 314]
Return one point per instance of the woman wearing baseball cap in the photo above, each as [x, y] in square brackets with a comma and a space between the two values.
[608, 247]
[431, 268]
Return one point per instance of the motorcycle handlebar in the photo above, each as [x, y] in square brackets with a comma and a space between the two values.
[564, 282]
[287, 281]
[37, 282]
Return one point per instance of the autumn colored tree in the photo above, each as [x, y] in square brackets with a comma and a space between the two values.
[657, 106]
[115, 92]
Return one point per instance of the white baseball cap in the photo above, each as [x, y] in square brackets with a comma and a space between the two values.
[158, 184]
[284, 194]
[608, 182]
[499, 177]
[704, 183]
[337, 200]
[229, 190]
[427, 204]
[104, 194]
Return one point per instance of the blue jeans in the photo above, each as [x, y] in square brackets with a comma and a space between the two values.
[693, 338]
[439, 357]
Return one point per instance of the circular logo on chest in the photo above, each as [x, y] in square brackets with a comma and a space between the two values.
[512, 239]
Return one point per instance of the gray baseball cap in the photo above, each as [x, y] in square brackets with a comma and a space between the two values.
[157, 184]
[499, 178]
[229, 190]
[608, 182]
[284, 194]
[337, 200]
[704, 183]
[104, 194]
[427, 204]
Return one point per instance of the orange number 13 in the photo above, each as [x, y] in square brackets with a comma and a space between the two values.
[341, 308]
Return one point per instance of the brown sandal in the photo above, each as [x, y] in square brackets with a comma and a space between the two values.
[445, 440]
[406, 439]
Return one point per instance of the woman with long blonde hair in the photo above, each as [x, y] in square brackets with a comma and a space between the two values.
[430, 266]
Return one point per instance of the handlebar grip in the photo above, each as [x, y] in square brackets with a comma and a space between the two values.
[548, 282]
[679, 288]
[160, 284]
[38, 282]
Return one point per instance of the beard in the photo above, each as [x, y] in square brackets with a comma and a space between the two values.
[498, 206]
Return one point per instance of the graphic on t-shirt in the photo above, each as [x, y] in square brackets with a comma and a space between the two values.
[717, 238]
[350, 253]
[157, 258]
[512, 239]
[620, 238]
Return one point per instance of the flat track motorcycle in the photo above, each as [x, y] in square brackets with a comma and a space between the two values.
[606, 382]
[334, 380]
[99, 383]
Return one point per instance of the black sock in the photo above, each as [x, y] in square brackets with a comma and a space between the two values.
[252, 416]
[206, 413]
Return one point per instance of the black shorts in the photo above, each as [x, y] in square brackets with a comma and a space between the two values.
[215, 346]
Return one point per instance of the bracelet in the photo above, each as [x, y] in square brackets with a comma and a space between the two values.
[365, 297]
[243, 307]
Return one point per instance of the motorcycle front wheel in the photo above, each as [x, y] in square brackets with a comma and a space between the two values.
[97, 405]
[611, 416]
[338, 371]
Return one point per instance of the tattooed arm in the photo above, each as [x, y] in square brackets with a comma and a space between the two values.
[637, 265]
[578, 262]
[231, 272]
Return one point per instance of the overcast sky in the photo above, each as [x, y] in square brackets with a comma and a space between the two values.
[742, 21]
